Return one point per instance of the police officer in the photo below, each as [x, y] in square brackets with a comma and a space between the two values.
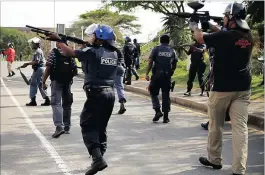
[119, 82]
[57, 65]
[165, 62]
[231, 88]
[38, 70]
[138, 54]
[99, 64]
[129, 51]
[197, 66]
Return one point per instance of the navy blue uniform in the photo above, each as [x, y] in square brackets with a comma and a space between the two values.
[129, 51]
[197, 66]
[164, 58]
[99, 65]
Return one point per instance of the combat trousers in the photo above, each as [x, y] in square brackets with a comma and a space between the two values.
[198, 69]
[61, 111]
[160, 82]
[95, 117]
[119, 83]
[36, 82]
[218, 103]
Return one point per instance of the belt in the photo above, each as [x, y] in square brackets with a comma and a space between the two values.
[96, 89]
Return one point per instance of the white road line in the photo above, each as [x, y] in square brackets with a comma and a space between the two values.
[45, 143]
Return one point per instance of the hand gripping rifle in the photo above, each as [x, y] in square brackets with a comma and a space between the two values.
[198, 16]
[63, 37]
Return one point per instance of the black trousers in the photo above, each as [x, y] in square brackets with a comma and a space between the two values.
[95, 117]
[199, 69]
[160, 82]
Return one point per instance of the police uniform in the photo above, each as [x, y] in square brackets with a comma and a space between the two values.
[61, 89]
[36, 79]
[163, 57]
[119, 82]
[129, 51]
[197, 66]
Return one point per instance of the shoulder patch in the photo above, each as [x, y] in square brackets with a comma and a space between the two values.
[86, 49]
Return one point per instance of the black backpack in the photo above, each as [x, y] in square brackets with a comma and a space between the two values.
[64, 70]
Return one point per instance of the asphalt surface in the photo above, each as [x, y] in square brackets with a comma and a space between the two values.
[136, 146]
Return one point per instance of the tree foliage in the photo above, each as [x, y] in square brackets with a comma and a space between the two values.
[18, 38]
[121, 23]
[173, 25]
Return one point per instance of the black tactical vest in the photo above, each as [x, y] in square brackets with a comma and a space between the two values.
[64, 70]
[163, 60]
[100, 71]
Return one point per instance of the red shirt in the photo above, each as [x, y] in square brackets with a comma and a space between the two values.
[10, 52]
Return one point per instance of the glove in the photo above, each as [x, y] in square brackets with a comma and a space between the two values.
[193, 26]
[206, 25]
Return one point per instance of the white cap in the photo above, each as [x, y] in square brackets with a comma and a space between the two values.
[34, 40]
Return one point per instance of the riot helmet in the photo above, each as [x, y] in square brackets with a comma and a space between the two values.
[237, 12]
[100, 32]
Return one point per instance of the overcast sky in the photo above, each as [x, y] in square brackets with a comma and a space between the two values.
[42, 14]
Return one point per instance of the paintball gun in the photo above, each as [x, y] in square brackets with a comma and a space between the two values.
[198, 16]
[63, 37]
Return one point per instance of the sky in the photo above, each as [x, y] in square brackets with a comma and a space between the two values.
[47, 14]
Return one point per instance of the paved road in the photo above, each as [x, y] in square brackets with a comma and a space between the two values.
[136, 146]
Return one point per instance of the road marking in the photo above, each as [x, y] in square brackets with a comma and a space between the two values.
[45, 143]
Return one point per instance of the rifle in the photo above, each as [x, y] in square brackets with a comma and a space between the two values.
[198, 16]
[63, 37]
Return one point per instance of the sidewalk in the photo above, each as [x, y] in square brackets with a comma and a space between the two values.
[195, 101]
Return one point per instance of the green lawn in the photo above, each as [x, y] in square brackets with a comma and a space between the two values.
[181, 77]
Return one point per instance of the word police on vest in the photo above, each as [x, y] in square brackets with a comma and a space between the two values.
[109, 61]
[165, 54]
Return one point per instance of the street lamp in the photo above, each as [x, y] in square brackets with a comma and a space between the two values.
[82, 28]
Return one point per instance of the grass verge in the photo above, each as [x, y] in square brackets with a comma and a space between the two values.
[181, 78]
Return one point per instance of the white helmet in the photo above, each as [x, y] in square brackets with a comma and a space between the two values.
[34, 40]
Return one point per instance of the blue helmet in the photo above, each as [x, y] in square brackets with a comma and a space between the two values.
[102, 31]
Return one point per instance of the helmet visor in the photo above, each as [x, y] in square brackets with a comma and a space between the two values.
[91, 29]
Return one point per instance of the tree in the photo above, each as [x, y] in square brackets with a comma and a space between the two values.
[18, 38]
[173, 25]
[121, 23]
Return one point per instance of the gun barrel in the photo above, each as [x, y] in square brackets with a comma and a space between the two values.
[188, 15]
[181, 14]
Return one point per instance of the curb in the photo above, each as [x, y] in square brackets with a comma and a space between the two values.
[252, 119]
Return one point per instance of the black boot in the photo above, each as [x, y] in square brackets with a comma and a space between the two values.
[13, 73]
[122, 109]
[187, 93]
[47, 102]
[32, 102]
[9, 75]
[137, 77]
[205, 125]
[158, 115]
[166, 119]
[98, 163]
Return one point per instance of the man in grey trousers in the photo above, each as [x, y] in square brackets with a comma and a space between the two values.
[57, 65]
[37, 64]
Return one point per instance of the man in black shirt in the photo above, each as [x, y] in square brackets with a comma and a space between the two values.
[197, 66]
[231, 87]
